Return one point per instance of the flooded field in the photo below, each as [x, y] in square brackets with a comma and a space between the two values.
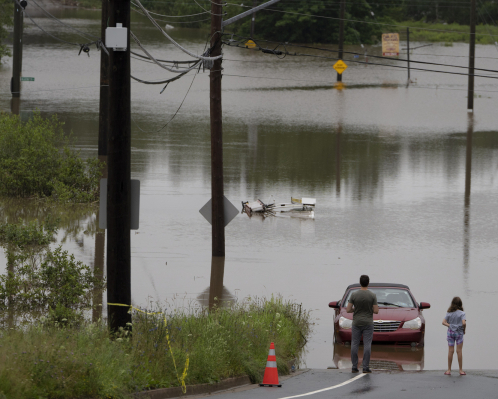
[385, 162]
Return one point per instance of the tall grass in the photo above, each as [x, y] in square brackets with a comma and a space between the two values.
[48, 361]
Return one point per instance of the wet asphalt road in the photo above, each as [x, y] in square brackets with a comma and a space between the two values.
[381, 385]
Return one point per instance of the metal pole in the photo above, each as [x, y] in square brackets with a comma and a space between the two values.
[119, 183]
[408, 52]
[253, 19]
[15, 85]
[341, 35]
[218, 228]
[472, 53]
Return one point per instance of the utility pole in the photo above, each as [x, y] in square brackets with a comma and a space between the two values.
[341, 35]
[98, 266]
[15, 85]
[119, 174]
[408, 52]
[472, 53]
[253, 19]
[104, 93]
[218, 222]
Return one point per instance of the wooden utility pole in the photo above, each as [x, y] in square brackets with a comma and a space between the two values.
[472, 53]
[253, 18]
[104, 92]
[341, 35]
[218, 223]
[15, 85]
[119, 174]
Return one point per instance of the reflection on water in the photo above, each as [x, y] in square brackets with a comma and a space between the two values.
[98, 271]
[216, 294]
[466, 215]
[382, 358]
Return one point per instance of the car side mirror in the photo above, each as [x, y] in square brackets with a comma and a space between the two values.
[424, 305]
[334, 305]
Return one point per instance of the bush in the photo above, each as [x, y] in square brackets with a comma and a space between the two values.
[52, 361]
[36, 160]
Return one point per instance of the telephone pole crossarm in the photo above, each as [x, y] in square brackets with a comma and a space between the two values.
[248, 12]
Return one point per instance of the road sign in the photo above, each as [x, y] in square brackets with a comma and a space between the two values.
[230, 211]
[250, 44]
[135, 204]
[27, 79]
[340, 67]
[390, 44]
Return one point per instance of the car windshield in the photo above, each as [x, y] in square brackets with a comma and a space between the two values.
[389, 297]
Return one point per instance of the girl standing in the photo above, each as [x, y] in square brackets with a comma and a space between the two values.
[456, 322]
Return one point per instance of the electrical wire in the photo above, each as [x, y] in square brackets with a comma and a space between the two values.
[210, 59]
[177, 70]
[171, 62]
[354, 20]
[391, 66]
[172, 22]
[176, 112]
[331, 83]
[83, 34]
[355, 53]
[83, 47]
[174, 16]
[66, 88]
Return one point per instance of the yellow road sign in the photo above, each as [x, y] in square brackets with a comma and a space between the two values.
[340, 67]
[250, 44]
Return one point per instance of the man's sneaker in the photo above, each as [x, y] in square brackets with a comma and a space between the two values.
[354, 370]
[367, 370]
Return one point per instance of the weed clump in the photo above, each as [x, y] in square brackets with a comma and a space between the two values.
[36, 160]
[193, 345]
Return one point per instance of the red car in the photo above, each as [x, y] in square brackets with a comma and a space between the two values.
[400, 320]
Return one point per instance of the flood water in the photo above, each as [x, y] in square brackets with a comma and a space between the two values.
[385, 162]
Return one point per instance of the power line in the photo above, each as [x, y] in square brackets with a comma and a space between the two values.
[354, 20]
[85, 35]
[171, 22]
[387, 65]
[347, 52]
[83, 47]
[177, 70]
[208, 59]
[175, 16]
[332, 83]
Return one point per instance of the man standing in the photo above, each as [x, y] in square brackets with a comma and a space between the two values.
[363, 304]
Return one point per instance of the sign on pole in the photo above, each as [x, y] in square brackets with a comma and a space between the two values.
[230, 211]
[390, 44]
[23, 79]
[340, 67]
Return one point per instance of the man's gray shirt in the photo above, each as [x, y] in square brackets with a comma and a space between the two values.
[363, 301]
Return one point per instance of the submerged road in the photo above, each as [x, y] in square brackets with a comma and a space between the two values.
[321, 384]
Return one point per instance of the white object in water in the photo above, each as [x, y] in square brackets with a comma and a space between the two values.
[168, 26]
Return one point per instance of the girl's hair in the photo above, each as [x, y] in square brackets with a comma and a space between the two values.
[456, 304]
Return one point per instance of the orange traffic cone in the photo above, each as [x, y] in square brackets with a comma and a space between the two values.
[270, 378]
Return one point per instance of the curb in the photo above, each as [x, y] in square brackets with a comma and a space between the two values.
[174, 392]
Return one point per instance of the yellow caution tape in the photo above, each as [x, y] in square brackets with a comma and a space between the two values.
[181, 379]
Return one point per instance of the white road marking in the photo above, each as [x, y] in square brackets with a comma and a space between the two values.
[327, 389]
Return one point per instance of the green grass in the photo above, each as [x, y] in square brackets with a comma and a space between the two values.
[47, 361]
[459, 33]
